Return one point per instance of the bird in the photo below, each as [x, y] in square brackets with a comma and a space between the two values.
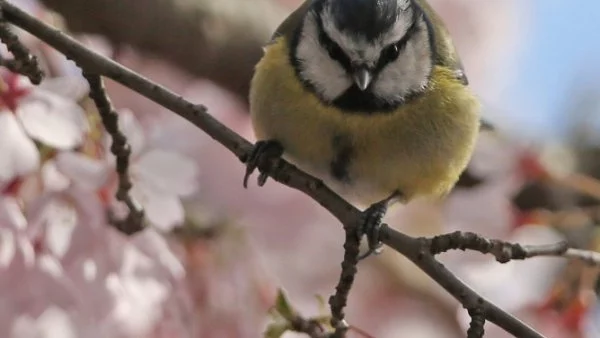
[371, 97]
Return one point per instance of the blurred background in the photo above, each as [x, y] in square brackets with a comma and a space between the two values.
[215, 254]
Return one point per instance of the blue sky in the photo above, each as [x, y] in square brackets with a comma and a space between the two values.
[562, 51]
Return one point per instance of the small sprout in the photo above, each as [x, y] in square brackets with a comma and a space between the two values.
[283, 306]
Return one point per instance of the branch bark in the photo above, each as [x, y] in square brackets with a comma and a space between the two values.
[219, 40]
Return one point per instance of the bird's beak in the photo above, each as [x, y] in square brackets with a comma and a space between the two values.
[362, 77]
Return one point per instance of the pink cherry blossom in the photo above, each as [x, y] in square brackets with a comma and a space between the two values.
[18, 153]
[47, 113]
[61, 249]
[53, 322]
[50, 113]
[160, 177]
[592, 323]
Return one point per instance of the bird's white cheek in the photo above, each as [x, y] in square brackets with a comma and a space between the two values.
[327, 76]
[407, 74]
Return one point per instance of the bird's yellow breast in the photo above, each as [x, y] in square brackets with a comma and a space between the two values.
[419, 149]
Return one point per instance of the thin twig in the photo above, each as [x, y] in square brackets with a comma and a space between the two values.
[591, 258]
[24, 62]
[458, 240]
[506, 251]
[134, 221]
[339, 299]
[310, 327]
[11, 64]
[476, 327]
[417, 250]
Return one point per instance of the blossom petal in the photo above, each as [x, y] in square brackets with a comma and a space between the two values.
[138, 302]
[53, 120]
[168, 171]
[24, 326]
[18, 153]
[66, 220]
[154, 244]
[56, 321]
[60, 219]
[26, 253]
[11, 213]
[133, 288]
[162, 210]
[53, 322]
[70, 87]
[50, 265]
[8, 247]
[89, 173]
[52, 178]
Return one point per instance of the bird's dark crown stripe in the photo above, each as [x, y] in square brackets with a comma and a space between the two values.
[368, 18]
[413, 28]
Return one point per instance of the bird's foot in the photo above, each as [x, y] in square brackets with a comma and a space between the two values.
[263, 154]
[371, 226]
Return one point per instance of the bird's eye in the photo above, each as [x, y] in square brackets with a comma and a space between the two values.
[391, 52]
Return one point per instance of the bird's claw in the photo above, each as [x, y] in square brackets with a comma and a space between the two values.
[262, 156]
[371, 226]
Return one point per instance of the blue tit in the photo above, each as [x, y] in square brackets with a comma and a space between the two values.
[368, 95]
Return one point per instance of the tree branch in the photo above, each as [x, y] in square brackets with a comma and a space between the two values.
[338, 300]
[219, 40]
[477, 322]
[420, 251]
[134, 221]
[589, 257]
[506, 251]
[24, 62]
[312, 328]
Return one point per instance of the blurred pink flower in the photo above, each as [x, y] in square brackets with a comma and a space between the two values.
[59, 221]
[66, 272]
[160, 177]
[15, 248]
[33, 277]
[18, 153]
[53, 322]
[47, 113]
[591, 325]
[47, 228]
[51, 115]
[137, 298]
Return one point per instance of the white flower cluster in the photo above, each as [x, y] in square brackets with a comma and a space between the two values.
[64, 271]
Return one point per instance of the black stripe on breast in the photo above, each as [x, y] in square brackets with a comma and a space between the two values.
[343, 155]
